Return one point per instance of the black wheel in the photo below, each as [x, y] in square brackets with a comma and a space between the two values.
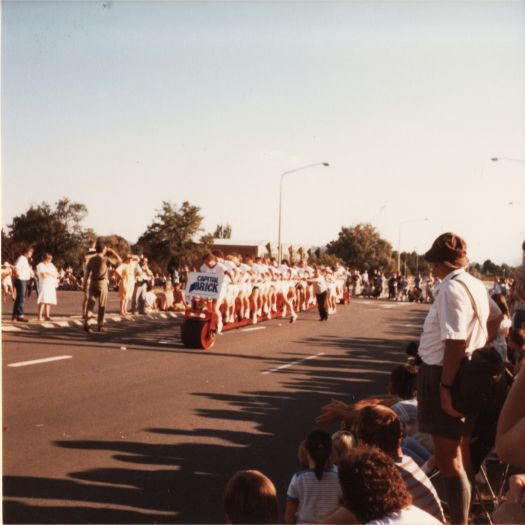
[196, 334]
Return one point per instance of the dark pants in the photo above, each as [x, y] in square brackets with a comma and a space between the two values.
[321, 304]
[100, 294]
[18, 306]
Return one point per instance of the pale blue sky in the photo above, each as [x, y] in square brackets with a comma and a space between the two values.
[121, 105]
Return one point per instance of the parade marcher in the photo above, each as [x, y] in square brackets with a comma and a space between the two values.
[23, 274]
[320, 290]
[462, 319]
[47, 286]
[96, 283]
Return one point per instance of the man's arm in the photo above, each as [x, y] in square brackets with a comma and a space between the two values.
[454, 353]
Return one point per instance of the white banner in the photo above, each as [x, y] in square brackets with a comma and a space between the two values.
[206, 285]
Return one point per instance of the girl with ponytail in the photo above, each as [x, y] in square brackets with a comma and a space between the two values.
[314, 493]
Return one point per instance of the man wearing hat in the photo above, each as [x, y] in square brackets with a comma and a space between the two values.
[451, 331]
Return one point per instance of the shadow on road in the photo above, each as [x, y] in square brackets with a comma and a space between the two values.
[182, 481]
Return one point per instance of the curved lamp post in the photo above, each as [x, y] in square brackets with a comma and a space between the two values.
[279, 245]
[497, 159]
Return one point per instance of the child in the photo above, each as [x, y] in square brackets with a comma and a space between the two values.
[314, 494]
[250, 497]
[342, 442]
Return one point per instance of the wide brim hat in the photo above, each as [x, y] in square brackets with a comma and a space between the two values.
[448, 249]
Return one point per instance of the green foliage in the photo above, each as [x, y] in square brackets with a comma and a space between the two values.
[324, 258]
[361, 247]
[223, 231]
[117, 243]
[55, 230]
[172, 234]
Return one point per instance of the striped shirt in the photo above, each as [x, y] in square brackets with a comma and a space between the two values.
[316, 499]
[423, 493]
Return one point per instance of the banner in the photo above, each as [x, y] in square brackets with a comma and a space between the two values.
[206, 285]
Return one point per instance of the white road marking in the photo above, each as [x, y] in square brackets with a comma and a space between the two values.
[78, 323]
[387, 306]
[39, 361]
[163, 316]
[172, 314]
[62, 324]
[253, 329]
[282, 367]
[48, 325]
[116, 319]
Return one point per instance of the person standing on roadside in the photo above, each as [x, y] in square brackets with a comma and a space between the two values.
[96, 283]
[47, 287]
[23, 274]
[320, 290]
[143, 276]
[452, 330]
[85, 283]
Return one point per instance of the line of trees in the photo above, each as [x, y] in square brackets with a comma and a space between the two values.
[176, 237]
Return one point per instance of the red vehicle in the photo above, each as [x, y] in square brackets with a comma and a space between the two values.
[199, 329]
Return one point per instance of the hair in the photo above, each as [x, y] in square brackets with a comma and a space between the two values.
[342, 442]
[26, 248]
[250, 497]
[501, 301]
[403, 380]
[46, 255]
[99, 247]
[302, 454]
[218, 253]
[319, 447]
[380, 426]
[372, 485]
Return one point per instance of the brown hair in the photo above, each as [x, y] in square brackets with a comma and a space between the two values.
[371, 483]
[250, 497]
[342, 442]
[380, 427]
[403, 380]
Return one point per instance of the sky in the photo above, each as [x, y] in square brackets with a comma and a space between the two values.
[123, 105]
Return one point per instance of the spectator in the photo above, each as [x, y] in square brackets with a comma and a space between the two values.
[165, 299]
[342, 442]
[461, 320]
[314, 494]
[179, 300]
[48, 282]
[250, 497]
[143, 276]
[96, 283]
[374, 492]
[500, 343]
[150, 300]
[7, 282]
[380, 427]
[126, 272]
[23, 275]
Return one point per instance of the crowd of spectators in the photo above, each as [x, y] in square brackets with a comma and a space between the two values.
[378, 467]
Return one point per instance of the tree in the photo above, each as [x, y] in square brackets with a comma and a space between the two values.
[117, 243]
[489, 268]
[223, 231]
[172, 234]
[361, 246]
[55, 230]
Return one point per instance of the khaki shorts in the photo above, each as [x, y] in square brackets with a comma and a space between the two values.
[430, 416]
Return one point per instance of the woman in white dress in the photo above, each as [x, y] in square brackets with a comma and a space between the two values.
[48, 280]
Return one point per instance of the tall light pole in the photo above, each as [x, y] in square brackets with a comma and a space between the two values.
[279, 245]
[399, 240]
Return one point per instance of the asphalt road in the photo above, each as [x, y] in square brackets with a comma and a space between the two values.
[131, 427]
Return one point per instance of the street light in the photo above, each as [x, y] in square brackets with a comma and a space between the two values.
[279, 245]
[497, 159]
[399, 240]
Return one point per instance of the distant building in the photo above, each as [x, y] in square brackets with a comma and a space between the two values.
[257, 248]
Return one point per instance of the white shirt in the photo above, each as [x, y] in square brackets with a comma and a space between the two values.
[408, 516]
[452, 317]
[23, 269]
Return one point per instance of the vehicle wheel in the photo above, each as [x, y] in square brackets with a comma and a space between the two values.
[197, 334]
